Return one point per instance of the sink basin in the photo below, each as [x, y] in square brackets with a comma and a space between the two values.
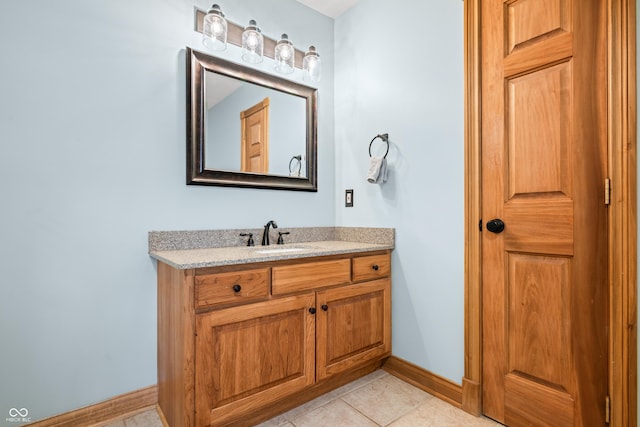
[278, 250]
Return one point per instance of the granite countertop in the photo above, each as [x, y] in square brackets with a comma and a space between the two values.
[214, 257]
[213, 248]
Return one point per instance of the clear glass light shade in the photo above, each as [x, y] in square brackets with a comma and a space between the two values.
[214, 29]
[252, 43]
[284, 55]
[311, 67]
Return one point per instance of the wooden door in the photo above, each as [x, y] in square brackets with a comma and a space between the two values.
[255, 138]
[252, 355]
[544, 164]
[353, 326]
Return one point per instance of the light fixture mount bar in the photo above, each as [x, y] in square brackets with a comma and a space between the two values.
[234, 36]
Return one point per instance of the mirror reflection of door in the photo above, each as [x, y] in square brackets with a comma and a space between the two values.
[254, 150]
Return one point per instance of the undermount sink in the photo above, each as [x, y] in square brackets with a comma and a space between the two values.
[278, 250]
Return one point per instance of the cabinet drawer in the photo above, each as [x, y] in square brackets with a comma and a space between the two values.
[371, 267]
[300, 277]
[237, 286]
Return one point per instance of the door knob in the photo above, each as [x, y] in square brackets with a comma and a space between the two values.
[495, 226]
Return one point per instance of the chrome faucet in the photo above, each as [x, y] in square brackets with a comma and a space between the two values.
[265, 235]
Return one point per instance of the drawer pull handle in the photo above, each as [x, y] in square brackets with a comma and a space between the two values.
[312, 310]
[375, 267]
[325, 307]
[237, 288]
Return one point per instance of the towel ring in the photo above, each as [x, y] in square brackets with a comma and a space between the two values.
[385, 138]
[297, 165]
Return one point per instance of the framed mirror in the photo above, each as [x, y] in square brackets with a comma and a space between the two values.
[247, 128]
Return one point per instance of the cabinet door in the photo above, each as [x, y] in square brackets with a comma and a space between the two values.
[252, 355]
[353, 326]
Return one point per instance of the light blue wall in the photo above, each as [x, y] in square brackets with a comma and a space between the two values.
[92, 157]
[399, 70]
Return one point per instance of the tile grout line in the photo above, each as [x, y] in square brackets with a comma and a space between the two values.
[360, 412]
[338, 396]
[393, 420]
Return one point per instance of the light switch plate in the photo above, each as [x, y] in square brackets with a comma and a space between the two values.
[348, 198]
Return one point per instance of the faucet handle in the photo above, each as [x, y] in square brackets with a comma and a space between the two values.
[280, 239]
[250, 241]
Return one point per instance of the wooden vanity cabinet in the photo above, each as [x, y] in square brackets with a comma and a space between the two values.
[236, 341]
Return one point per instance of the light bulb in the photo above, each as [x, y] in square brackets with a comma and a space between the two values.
[252, 40]
[285, 53]
[217, 29]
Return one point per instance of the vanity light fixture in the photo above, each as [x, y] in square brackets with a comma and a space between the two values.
[214, 30]
[218, 31]
[311, 68]
[284, 55]
[252, 43]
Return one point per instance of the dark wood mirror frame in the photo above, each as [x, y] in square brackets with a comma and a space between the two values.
[198, 63]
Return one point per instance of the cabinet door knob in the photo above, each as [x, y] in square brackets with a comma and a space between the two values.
[325, 307]
[312, 310]
[237, 288]
[376, 267]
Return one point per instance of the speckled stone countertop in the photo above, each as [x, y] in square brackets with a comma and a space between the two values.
[197, 249]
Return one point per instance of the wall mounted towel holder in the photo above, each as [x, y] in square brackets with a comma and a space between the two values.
[295, 164]
[385, 138]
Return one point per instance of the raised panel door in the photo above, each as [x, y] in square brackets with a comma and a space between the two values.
[544, 163]
[254, 150]
[353, 326]
[251, 355]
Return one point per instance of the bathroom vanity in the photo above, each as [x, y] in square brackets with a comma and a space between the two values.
[247, 333]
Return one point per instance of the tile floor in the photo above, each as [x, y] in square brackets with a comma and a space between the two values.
[379, 399]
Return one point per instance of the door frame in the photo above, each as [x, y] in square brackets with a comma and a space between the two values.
[622, 242]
